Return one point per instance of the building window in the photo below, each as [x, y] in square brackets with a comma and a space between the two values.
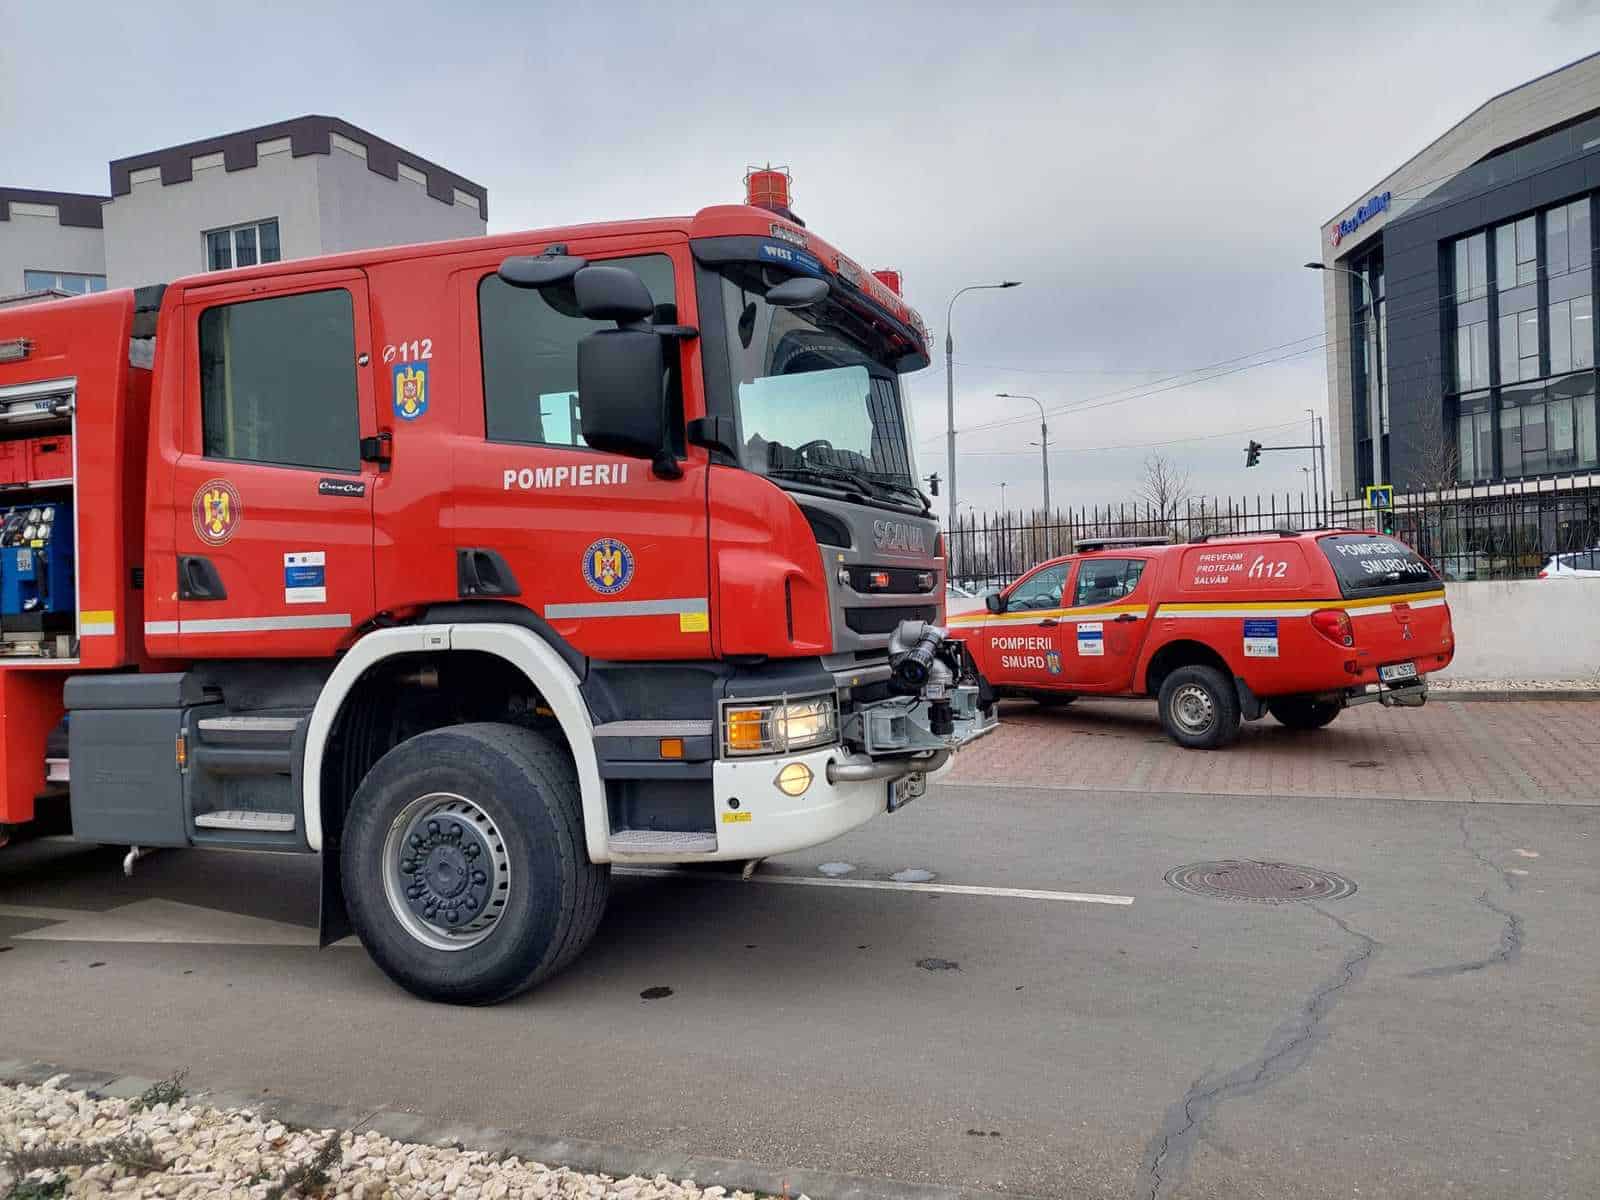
[62, 281]
[1516, 253]
[278, 381]
[243, 246]
[1369, 352]
[1469, 360]
[1547, 429]
[1474, 438]
[1570, 282]
[530, 353]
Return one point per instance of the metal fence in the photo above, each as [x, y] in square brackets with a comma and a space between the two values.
[1499, 531]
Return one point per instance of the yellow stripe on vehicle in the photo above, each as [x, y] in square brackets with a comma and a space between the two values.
[1058, 614]
[1268, 608]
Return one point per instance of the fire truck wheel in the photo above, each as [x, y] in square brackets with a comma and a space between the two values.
[465, 869]
[1298, 712]
[1199, 708]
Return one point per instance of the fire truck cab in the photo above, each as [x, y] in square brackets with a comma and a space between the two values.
[474, 568]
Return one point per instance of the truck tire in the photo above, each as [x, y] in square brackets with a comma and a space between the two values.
[465, 870]
[1301, 712]
[1199, 708]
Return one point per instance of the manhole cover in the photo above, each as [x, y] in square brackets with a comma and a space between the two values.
[1270, 883]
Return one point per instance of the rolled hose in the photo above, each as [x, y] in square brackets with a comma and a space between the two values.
[864, 770]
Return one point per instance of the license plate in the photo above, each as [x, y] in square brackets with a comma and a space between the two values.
[904, 790]
[1397, 671]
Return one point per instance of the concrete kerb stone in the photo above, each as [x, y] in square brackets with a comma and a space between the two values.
[607, 1158]
[1510, 695]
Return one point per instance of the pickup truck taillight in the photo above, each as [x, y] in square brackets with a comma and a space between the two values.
[1334, 624]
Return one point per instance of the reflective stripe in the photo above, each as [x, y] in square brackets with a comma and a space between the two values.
[1059, 614]
[250, 624]
[1243, 610]
[628, 608]
[98, 622]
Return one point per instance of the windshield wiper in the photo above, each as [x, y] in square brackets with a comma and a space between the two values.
[851, 481]
[893, 484]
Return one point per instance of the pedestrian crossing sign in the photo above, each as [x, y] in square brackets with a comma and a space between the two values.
[1380, 495]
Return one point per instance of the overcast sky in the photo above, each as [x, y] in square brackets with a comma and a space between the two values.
[1155, 174]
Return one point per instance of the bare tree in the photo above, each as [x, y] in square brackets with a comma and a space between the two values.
[1164, 487]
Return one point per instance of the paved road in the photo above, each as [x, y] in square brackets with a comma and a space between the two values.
[1433, 1034]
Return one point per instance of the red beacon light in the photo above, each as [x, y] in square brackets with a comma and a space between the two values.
[768, 187]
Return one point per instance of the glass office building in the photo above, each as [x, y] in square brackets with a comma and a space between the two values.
[1460, 301]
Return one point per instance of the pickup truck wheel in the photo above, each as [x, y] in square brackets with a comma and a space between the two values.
[1297, 712]
[465, 870]
[1199, 708]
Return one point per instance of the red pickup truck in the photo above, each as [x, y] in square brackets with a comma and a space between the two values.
[1221, 629]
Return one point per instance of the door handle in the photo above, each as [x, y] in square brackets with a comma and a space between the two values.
[1049, 623]
[198, 579]
[1127, 616]
[483, 572]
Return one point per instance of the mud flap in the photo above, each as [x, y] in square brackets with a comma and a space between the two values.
[1251, 706]
[333, 923]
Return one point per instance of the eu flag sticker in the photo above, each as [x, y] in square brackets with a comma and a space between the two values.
[410, 390]
[1261, 637]
[305, 579]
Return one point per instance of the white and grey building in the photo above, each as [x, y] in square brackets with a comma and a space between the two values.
[308, 186]
[1459, 302]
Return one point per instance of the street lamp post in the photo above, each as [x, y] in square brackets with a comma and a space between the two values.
[950, 383]
[1374, 411]
[1044, 443]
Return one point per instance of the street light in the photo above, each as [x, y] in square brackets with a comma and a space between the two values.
[1374, 414]
[950, 381]
[1044, 443]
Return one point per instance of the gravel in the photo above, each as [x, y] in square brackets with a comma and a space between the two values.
[1589, 684]
[203, 1152]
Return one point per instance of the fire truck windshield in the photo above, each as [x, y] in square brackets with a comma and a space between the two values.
[816, 401]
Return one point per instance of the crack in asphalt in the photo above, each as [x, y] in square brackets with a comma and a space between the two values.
[1510, 949]
[1286, 1051]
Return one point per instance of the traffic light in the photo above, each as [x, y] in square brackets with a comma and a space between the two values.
[1252, 454]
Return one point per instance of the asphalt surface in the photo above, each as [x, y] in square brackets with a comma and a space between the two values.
[1433, 1034]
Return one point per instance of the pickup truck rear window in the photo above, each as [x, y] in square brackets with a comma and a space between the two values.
[1368, 564]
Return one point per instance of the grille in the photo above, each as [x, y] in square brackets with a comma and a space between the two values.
[902, 580]
[884, 620]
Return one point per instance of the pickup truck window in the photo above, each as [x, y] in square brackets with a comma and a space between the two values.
[1366, 564]
[530, 353]
[278, 381]
[1106, 580]
[1042, 589]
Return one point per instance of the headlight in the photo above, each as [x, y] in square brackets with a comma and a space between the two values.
[778, 726]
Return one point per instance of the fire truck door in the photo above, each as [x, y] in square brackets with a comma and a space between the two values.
[273, 527]
[612, 553]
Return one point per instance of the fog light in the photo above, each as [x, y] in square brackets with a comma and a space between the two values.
[794, 779]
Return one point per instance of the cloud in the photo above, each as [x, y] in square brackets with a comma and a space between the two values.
[1155, 173]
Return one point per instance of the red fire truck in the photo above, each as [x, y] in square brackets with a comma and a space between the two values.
[474, 568]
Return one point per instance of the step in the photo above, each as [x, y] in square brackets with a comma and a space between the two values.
[248, 724]
[662, 841]
[243, 819]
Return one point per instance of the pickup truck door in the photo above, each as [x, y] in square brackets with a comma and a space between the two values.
[1023, 647]
[1103, 629]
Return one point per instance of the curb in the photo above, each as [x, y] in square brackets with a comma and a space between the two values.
[1511, 695]
[607, 1158]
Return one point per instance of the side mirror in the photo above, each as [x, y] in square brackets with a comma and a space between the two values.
[540, 270]
[612, 294]
[995, 602]
[799, 292]
[622, 393]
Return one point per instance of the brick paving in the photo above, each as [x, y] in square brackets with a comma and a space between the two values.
[1518, 752]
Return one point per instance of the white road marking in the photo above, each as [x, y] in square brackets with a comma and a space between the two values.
[160, 922]
[884, 885]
